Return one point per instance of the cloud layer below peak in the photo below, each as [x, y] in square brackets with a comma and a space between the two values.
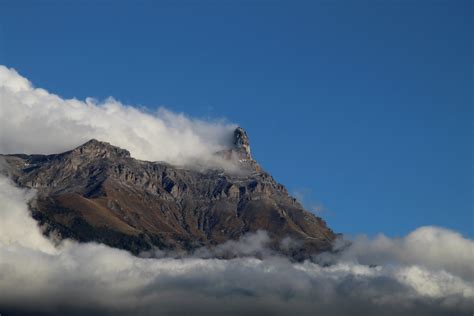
[380, 276]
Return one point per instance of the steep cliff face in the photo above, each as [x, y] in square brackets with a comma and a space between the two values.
[97, 192]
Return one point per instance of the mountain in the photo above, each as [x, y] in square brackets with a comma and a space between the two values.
[98, 192]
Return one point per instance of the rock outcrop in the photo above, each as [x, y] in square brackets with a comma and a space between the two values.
[242, 144]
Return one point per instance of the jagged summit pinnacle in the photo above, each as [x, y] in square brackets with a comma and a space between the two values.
[240, 150]
[242, 144]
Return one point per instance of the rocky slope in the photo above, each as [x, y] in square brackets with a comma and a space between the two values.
[97, 192]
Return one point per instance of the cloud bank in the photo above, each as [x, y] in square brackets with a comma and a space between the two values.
[427, 272]
[34, 121]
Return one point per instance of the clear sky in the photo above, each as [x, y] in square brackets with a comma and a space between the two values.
[363, 107]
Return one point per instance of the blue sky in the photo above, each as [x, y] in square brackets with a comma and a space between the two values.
[365, 107]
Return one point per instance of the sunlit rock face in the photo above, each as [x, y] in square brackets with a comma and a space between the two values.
[97, 192]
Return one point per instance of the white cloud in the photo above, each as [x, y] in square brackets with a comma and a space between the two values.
[37, 277]
[431, 247]
[33, 120]
[16, 227]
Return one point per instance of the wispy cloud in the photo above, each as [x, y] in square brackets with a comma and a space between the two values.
[303, 195]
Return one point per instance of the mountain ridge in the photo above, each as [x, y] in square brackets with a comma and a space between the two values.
[98, 192]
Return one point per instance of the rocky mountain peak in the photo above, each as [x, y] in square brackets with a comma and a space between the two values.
[242, 144]
[96, 148]
[97, 192]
